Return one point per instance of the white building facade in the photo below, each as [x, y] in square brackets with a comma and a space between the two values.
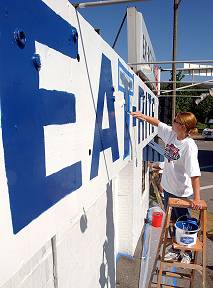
[74, 192]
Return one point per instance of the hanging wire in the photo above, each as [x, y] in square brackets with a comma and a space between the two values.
[92, 94]
[119, 30]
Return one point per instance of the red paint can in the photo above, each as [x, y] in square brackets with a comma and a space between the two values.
[157, 219]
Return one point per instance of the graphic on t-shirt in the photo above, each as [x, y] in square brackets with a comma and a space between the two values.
[171, 152]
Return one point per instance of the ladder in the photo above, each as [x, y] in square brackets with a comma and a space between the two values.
[165, 240]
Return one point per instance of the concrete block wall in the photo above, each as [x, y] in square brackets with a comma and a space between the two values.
[35, 273]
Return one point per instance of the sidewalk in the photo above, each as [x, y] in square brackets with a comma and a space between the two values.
[131, 271]
[148, 263]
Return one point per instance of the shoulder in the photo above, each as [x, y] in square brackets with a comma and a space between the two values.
[164, 127]
[165, 132]
[191, 145]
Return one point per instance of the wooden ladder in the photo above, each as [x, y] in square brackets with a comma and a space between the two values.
[165, 240]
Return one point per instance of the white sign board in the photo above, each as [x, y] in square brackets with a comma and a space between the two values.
[65, 130]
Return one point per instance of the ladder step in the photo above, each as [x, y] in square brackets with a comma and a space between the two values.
[197, 247]
[154, 285]
[184, 203]
[182, 265]
[179, 275]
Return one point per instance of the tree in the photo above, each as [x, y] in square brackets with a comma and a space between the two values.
[183, 103]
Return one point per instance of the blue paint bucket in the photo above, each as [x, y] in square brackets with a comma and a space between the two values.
[186, 231]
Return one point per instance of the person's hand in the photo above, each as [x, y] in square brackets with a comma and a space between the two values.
[138, 115]
[196, 204]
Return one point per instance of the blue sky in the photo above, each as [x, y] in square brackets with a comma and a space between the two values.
[194, 40]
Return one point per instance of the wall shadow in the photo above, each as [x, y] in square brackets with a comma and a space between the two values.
[83, 222]
[107, 268]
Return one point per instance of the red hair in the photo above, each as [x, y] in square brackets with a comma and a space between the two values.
[189, 120]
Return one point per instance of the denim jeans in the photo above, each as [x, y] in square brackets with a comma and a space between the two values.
[176, 212]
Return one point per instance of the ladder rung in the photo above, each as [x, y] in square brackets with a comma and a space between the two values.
[197, 247]
[154, 285]
[182, 265]
[184, 203]
[177, 275]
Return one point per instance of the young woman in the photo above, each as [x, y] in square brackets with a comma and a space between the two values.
[181, 169]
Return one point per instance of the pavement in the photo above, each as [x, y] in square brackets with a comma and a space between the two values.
[130, 271]
[206, 165]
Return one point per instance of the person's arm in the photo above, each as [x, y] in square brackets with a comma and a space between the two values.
[149, 119]
[196, 189]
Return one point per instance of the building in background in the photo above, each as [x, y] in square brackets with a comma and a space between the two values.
[140, 50]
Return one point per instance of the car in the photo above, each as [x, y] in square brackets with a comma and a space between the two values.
[208, 131]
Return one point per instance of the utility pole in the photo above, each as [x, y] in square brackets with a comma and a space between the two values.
[175, 21]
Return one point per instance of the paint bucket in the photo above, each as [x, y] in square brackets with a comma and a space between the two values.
[186, 231]
[157, 218]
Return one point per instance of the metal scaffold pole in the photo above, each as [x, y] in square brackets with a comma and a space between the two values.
[175, 19]
[103, 3]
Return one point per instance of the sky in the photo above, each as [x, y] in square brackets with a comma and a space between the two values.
[194, 37]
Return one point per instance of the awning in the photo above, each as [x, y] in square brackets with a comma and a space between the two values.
[153, 152]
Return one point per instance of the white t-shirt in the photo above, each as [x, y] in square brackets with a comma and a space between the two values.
[181, 162]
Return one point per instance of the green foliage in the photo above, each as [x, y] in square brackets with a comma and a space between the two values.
[200, 127]
[184, 104]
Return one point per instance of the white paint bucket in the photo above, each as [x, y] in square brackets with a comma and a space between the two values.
[186, 232]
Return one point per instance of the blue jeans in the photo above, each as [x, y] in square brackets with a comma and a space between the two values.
[176, 212]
